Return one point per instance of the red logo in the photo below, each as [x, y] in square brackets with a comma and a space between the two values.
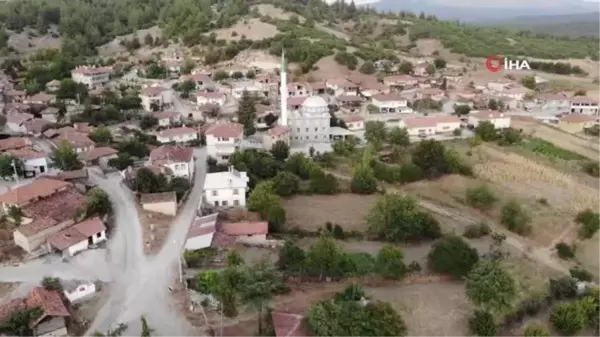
[494, 63]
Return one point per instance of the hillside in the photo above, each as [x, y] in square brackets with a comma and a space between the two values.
[310, 31]
[570, 25]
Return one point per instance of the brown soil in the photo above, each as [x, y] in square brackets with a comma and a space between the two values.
[252, 29]
[156, 228]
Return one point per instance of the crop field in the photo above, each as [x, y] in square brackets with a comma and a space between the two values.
[546, 148]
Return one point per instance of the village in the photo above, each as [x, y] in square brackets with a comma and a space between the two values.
[173, 173]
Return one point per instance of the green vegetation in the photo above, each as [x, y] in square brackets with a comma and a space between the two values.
[589, 222]
[548, 149]
[452, 255]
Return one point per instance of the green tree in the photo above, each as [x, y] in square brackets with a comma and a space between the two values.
[490, 286]
[146, 331]
[280, 150]
[481, 197]
[122, 162]
[325, 257]
[246, 113]
[589, 222]
[430, 69]
[148, 182]
[65, 157]
[148, 122]
[258, 289]
[405, 67]
[375, 132]
[568, 318]
[535, 329]
[286, 183]
[462, 109]
[367, 68]
[493, 104]
[101, 135]
[6, 166]
[482, 324]
[70, 89]
[52, 284]
[363, 180]
[486, 131]
[180, 186]
[398, 136]
[430, 157]
[97, 203]
[528, 82]
[292, 258]
[515, 218]
[452, 255]
[265, 201]
[439, 63]
[234, 258]
[18, 323]
[390, 262]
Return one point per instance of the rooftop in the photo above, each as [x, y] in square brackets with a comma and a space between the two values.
[76, 233]
[171, 154]
[225, 130]
[149, 198]
[39, 188]
[14, 143]
[177, 132]
[97, 153]
[245, 228]
[229, 179]
[424, 122]
[26, 153]
[203, 225]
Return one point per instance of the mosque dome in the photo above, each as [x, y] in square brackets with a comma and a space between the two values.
[314, 105]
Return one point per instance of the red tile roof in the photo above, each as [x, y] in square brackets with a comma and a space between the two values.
[50, 302]
[352, 118]
[166, 153]
[425, 122]
[210, 94]
[88, 71]
[26, 153]
[76, 139]
[12, 306]
[18, 118]
[177, 132]
[59, 207]
[90, 227]
[35, 125]
[41, 97]
[66, 238]
[152, 91]
[97, 153]
[487, 114]
[228, 130]
[14, 143]
[279, 130]
[583, 99]
[388, 98]
[296, 100]
[245, 228]
[39, 188]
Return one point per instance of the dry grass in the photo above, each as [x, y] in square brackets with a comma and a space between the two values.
[252, 29]
[312, 212]
[28, 40]
[427, 309]
[275, 12]
[587, 254]
[327, 68]
[155, 227]
[115, 47]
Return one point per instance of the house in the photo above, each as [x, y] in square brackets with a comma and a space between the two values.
[426, 126]
[41, 98]
[15, 121]
[173, 66]
[499, 119]
[341, 86]
[354, 122]
[78, 140]
[372, 88]
[201, 232]
[400, 81]
[577, 123]
[294, 103]
[210, 97]
[421, 69]
[78, 291]
[78, 237]
[33, 161]
[433, 94]
[131, 172]
[180, 160]
[351, 103]
[202, 81]
[53, 85]
[51, 322]
[35, 126]
[98, 156]
[13, 143]
[79, 179]
[554, 103]
[288, 324]
[92, 77]
[453, 75]
[246, 232]
[15, 96]
[299, 89]
[167, 118]
[391, 103]
[499, 85]
[164, 203]
[152, 98]
[50, 114]
[226, 189]
[584, 105]
[318, 88]
[515, 92]
[275, 134]
[223, 139]
[177, 135]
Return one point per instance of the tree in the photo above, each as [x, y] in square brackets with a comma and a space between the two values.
[375, 132]
[367, 68]
[2, 121]
[292, 258]
[52, 283]
[286, 183]
[481, 197]
[6, 166]
[234, 258]
[180, 186]
[265, 201]
[493, 104]
[148, 122]
[482, 324]
[515, 218]
[390, 262]
[462, 109]
[18, 322]
[325, 257]
[101, 135]
[405, 67]
[430, 69]
[486, 131]
[122, 162]
[528, 82]
[439, 63]
[489, 285]
[97, 203]
[70, 89]
[258, 288]
[323, 183]
[280, 150]
[65, 157]
[535, 329]
[363, 180]
[246, 113]
[397, 218]
[568, 318]
[452, 255]
[146, 331]
[148, 182]
[589, 222]
[398, 136]
[430, 157]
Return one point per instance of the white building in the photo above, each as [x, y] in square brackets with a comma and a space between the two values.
[499, 119]
[167, 118]
[342, 87]
[584, 105]
[226, 189]
[400, 81]
[92, 77]
[274, 135]
[208, 97]
[222, 140]
[426, 126]
[391, 103]
[78, 237]
[32, 160]
[500, 85]
[152, 98]
[177, 135]
[201, 232]
[354, 122]
[180, 160]
[77, 291]
[310, 123]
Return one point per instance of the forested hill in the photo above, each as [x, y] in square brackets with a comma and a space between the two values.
[573, 25]
[86, 24]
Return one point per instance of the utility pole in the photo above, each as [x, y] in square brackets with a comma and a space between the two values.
[14, 166]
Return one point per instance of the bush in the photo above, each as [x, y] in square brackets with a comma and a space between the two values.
[568, 318]
[589, 222]
[353, 292]
[286, 183]
[475, 231]
[564, 251]
[481, 197]
[534, 329]
[514, 217]
[563, 288]
[338, 232]
[414, 267]
[359, 264]
[452, 255]
[482, 324]
[581, 274]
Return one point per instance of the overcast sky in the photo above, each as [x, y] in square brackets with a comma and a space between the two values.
[480, 3]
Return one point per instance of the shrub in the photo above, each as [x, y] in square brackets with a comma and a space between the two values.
[534, 329]
[414, 267]
[568, 318]
[563, 288]
[475, 231]
[353, 292]
[589, 222]
[481, 197]
[338, 232]
[452, 255]
[482, 324]
[514, 217]
[564, 251]
[359, 264]
[581, 274]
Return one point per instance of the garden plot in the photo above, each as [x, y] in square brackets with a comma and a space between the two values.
[312, 212]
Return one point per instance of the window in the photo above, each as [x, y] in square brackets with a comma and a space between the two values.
[217, 203]
[215, 193]
[225, 139]
[316, 129]
[236, 202]
[99, 234]
[235, 191]
[297, 129]
[306, 129]
[224, 202]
